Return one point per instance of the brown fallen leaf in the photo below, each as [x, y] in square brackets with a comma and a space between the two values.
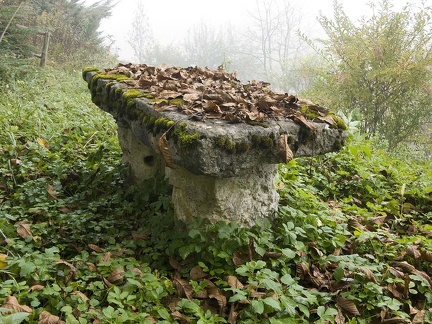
[3, 187]
[73, 270]
[410, 269]
[239, 258]
[327, 119]
[168, 94]
[116, 275]
[15, 161]
[216, 293]
[12, 303]
[180, 318]
[23, 229]
[36, 288]
[339, 319]
[51, 192]
[106, 257]
[150, 319]
[426, 255]
[92, 267]
[392, 288]
[48, 318]
[162, 144]
[419, 317]
[233, 314]
[298, 117]
[81, 295]
[347, 305]
[212, 107]
[197, 273]
[95, 248]
[65, 210]
[302, 270]
[183, 288]
[175, 264]
[233, 282]
[284, 151]
[191, 97]
[413, 251]
[369, 274]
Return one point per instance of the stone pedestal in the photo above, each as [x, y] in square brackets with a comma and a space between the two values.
[221, 171]
[242, 199]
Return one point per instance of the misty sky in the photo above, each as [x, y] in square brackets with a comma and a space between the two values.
[170, 20]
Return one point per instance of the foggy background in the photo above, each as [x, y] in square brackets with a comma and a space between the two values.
[261, 39]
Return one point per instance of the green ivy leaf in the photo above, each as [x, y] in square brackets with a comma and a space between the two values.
[273, 303]
[257, 306]
[339, 273]
[290, 254]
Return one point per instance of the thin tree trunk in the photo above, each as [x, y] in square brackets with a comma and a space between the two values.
[10, 21]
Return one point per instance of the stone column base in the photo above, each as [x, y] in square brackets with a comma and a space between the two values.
[242, 199]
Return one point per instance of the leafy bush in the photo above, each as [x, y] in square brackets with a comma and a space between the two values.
[351, 242]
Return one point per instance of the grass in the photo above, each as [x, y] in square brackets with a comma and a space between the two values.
[352, 242]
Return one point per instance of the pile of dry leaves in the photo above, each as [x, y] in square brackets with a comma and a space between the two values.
[205, 93]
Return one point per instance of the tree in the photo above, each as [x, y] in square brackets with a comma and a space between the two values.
[225, 46]
[380, 68]
[142, 39]
[14, 41]
[72, 25]
[278, 46]
[204, 46]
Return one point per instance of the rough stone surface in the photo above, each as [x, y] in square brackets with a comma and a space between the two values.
[242, 199]
[219, 170]
[143, 161]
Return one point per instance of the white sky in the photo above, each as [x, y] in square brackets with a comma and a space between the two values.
[171, 19]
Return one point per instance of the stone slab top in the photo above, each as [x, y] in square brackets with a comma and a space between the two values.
[210, 123]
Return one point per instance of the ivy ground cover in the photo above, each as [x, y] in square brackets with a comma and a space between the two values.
[352, 241]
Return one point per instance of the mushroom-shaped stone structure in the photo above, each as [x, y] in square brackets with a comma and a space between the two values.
[217, 140]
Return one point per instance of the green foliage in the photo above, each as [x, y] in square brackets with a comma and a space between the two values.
[14, 40]
[378, 68]
[74, 36]
[350, 242]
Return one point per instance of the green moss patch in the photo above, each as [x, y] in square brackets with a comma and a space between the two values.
[230, 146]
[184, 137]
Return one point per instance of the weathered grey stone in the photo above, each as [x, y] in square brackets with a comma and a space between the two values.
[143, 161]
[219, 170]
[242, 199]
